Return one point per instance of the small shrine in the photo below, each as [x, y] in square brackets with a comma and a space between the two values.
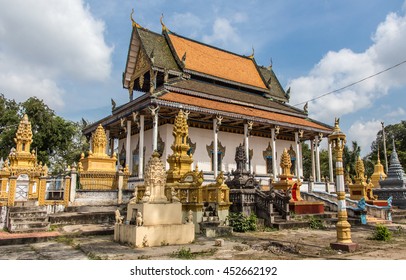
[363, 189]
[395, 184]
[242, 178]
[242, 185]
[379, 173]
[98, 170]
[21, 176]
[186, 185]
[154, 220]
[291, 188]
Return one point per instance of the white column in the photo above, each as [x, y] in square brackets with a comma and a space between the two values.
[313, 161]
[141, 149]
[128, 153]
[297, 155]
[215, 149]
[330, 163]
[246, 146]
[301, 160]
[317, 142]
[273, 153]
[154, 113]
[108, 140]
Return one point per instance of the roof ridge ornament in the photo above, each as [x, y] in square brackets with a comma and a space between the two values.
[164, 28]
[251, 56]
[134, 24]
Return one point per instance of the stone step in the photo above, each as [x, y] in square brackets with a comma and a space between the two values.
[73, 218]
[27, 209]
[29, 226]
[27, 215]
[28, 219]
[95, 208]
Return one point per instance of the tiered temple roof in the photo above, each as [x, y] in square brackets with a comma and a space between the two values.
[173, 71]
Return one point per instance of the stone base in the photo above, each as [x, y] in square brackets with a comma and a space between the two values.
[306, 207]
[212, 229]
[377, 202]
[158, 235]
[156, 213]
[346, 247]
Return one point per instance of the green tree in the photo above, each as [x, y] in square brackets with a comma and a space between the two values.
[9, 118]
[395, 132]
[350, 158]
[58, 142]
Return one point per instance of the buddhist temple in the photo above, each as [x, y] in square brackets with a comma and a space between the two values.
[227, 98]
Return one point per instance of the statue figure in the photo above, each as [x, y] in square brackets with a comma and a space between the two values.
[139, 220]
[145, 241]
[361, 204]
[174, 195]
[190, 217]
[119, 218]
[133, 200]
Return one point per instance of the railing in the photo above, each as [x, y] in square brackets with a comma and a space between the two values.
[264, 207]
[281, 204]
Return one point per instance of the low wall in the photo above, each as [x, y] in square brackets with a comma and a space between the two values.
[95, 197]
[3, 217]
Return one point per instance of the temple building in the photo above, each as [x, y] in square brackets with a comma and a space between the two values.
[227, 98]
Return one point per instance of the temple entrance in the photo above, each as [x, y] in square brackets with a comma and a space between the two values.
[22, 188]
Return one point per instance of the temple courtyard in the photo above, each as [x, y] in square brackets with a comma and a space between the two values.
[289, 244]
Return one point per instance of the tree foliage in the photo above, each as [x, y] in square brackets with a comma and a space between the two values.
[58, 142]
[396, 132]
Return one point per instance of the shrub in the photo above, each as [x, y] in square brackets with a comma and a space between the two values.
[382, 233]
[316, 223]
[241, 223]
[183, 253]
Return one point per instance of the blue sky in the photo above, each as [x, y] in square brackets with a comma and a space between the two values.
[72, 53]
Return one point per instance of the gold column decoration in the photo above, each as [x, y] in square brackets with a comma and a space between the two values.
[179, 162]
[344, 242]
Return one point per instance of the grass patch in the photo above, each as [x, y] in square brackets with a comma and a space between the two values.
[242, 223]
[183, 254]
[93, 256]
[381, 233]
[316, 223]
[65, 240]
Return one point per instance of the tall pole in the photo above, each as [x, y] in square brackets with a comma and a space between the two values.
[344, 242]
[384, 147]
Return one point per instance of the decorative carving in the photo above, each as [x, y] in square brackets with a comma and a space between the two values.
[242, 177]
[134, 24]
[180, 161]
[119, 218]
[99, 142]
[286, 163]
[190, 217]
[139, 220]
[174, 194]
[155, 180]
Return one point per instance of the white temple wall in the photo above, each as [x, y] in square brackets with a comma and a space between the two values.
[203, 138]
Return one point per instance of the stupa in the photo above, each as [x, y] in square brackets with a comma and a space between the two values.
[155, 220]
[379, 173]
[395, 184]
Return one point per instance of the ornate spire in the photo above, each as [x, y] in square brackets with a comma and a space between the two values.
[99, 141]
[155, 180]
[286, 163]
[360, 170]
[23, 138]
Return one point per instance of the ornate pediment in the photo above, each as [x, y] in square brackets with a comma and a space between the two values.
[142, 65]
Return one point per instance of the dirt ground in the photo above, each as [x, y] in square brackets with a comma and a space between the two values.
[292, 244]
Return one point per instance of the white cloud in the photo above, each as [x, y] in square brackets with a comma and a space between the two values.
[225, 36]
[43, 43]
[399, 112]
[340, 68]
[186, 23]
[364, 133]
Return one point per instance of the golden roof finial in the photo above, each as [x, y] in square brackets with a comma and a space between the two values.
[133, 21]
[164, 28]
[252, 55]
[379, 160]
[359, 168]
